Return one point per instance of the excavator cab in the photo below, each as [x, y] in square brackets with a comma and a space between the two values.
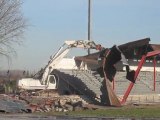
[52, 81]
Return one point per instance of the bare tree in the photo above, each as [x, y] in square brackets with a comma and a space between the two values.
[12, 25]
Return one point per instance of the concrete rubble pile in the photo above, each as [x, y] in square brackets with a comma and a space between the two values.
[54, 104]
[30, 104]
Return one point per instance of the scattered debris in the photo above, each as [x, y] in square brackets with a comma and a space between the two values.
[30, 104]
[58, 103]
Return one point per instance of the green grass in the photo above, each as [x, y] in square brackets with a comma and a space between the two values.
[132, 111]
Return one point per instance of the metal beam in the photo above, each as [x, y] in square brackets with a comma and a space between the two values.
[149, 54]
[135, 77]
[154, 83]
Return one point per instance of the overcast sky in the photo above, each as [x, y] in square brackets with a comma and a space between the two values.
[54, 21]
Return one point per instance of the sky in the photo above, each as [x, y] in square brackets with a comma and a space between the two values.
[51, 22]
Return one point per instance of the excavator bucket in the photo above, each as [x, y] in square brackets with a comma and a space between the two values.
[109, 98]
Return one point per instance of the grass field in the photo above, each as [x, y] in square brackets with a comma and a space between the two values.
[140, 111]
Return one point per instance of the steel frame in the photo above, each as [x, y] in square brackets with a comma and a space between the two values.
[149, 54]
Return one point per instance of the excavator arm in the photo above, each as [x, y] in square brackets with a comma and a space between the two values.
[62, 52]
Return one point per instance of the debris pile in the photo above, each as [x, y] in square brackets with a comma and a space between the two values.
[58, 103]
[30, 104]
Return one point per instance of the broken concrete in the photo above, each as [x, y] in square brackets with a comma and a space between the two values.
[59, 103]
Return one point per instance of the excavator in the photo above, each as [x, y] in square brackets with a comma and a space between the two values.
[44, 79]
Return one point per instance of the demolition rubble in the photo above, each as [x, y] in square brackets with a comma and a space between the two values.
[30, 104]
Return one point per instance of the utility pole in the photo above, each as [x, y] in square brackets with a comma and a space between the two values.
[89, 22]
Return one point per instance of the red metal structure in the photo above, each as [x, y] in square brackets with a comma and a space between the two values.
[149, 54]
[154, 83]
